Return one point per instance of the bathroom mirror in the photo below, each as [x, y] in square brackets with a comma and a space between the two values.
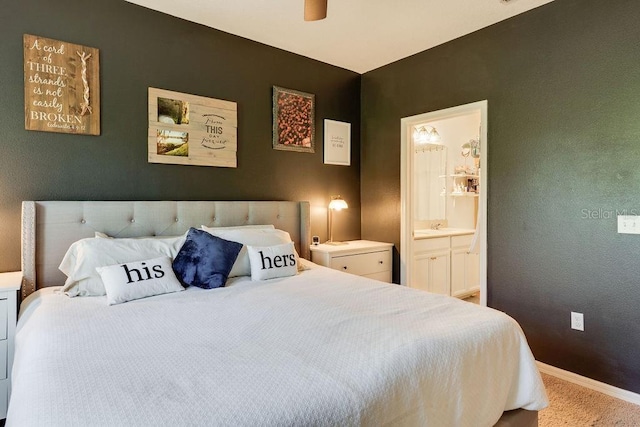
[430, 161]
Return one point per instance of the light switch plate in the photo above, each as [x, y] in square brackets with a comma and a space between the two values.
[628, 224]
[577, 321]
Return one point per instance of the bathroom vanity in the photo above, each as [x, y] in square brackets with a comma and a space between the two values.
[443, 264]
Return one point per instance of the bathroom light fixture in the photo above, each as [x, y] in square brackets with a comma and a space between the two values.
[425, 135]
[315, 10]
[337, 204]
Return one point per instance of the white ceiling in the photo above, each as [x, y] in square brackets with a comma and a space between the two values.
[359, 35]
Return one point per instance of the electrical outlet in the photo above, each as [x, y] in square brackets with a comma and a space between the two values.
[577, 321]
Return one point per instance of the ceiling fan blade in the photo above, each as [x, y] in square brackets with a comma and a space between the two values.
[314, 10]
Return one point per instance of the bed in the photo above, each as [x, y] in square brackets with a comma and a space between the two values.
[319, 347]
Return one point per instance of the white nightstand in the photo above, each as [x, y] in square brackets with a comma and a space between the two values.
[361, 257]
[9, 286]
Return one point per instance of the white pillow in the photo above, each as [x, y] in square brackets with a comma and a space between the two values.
[134, 280]
[101, 235]
[249, 236]
[84, 256]
[268, 262]
[240, 227]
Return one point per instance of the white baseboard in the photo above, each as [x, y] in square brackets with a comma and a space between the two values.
[607, 389]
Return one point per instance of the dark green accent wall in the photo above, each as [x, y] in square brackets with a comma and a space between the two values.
[563, 89]
[141, 48]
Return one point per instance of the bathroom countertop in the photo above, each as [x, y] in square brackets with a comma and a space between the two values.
[441, 232]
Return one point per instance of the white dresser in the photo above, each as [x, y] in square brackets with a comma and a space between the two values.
[360, 257]
[9, 286]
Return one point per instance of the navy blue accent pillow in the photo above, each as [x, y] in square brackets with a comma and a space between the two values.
[205, 260]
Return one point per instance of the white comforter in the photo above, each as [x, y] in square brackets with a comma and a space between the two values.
[322, 348]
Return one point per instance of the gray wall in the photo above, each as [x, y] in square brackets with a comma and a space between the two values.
[563, 89]
[135, 44]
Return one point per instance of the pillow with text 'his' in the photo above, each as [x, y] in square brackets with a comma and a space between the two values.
[205, 260]
[268, 262]
[85, 255]
[140, 279]
[250, 237]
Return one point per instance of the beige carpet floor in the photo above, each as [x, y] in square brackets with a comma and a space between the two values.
[571, 405]
[575, 406]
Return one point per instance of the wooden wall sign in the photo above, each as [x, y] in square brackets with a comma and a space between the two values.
[192, 130]
[61, 86]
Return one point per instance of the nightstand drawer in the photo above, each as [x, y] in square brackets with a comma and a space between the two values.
[363, 264]
[384, 276]
[3, 359]
[359, 257]
[4, 396]
[9, 285]
[3, 317]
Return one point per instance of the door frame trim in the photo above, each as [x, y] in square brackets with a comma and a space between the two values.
[406, 187]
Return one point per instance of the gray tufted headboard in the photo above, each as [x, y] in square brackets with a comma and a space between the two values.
[49, 228]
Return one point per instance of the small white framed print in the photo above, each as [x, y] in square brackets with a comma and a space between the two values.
[337, 143]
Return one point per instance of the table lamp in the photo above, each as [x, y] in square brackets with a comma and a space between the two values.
[337, 204]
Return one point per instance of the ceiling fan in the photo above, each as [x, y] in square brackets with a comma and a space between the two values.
[315, 10]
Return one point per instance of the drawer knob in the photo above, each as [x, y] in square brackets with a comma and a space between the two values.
[380, 262]
[345, 267]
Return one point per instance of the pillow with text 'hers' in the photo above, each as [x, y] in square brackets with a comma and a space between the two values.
[249, 237]
[268, 262]
[140, 279]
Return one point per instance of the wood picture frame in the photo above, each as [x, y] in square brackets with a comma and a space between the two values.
[337, 143]
[293, 120]
[61, 86]
[193, 130]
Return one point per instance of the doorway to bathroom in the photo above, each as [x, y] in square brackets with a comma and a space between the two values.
[443, 237]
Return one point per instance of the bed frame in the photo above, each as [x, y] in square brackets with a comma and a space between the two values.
[50, 227]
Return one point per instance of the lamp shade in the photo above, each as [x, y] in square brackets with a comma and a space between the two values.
[434, 136]
[337, 204]
[425, 134]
